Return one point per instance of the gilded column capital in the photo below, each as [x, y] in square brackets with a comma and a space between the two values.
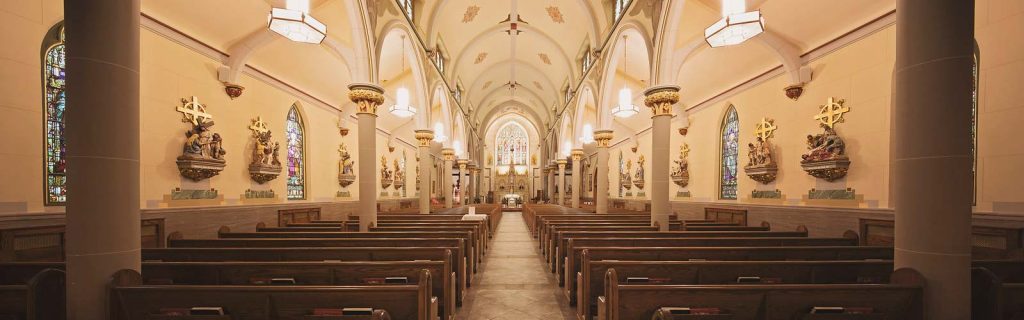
[660, 99]
[462, 163]
[366, 96]
[448, 154]
[561, 163]
[603, 138]
[424, 136]
[577, 155]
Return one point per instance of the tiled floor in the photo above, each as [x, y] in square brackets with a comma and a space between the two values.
[513, 283]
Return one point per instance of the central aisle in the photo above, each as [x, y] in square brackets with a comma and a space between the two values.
[513, 282]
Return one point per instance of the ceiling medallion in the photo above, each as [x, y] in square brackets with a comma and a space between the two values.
[470, 14]
[486, 84]
[480, 58]
[555, 14]
[537, 84]
[544, 58]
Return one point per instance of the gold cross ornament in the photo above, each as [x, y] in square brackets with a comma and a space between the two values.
[258, 126]
[832, 112]
[193, 111]
[765, 129]
[684, 150]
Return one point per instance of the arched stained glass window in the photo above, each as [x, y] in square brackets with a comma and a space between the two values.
[296, 155]
[53, 101]
[511, 145]
[730, 152]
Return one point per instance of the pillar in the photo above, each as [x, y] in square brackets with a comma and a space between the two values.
[551, 183]
[103, 150]
[367, 98]
[463, 180]
[577, 169]
[660, 99]
[446, 180]
[603, 139]
[424, 137]
[931, 110]
[561, 180]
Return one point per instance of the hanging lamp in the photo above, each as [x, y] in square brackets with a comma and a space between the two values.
[402, 108]
[625, 109]
[295, 23]
[736, 25]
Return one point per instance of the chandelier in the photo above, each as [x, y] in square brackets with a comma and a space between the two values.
[295, 23]
[625, 109]
[735, 27]
[401, 108]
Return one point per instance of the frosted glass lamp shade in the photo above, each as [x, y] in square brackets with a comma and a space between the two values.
[297, 26]
[734, 29]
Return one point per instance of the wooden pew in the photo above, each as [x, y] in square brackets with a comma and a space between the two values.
[560, 243]
[318, 254]
[468, 239]
[544, 236]
[724, 273]
[575, 246]
[131, 299]
[479, 237]
[901, 299]
[39, 297]
[997, 296]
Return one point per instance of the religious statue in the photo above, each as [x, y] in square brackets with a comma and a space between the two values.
[681, 171]
[385, 173]
[399, 176]
[265, 165]
[638, 179]
[826, 152]
[761, 166]
[624, 177]
[202, 155]
[346, 175]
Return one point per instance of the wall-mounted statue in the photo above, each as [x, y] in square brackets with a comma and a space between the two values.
[761, 165]
[398, 176]
[265, 165]
[681, 171]
[826, 152]
[638, 179]
[346, 174]
[385, 173]
[624, 177]
[202, 155]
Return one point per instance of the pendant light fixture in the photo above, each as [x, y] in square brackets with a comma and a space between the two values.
[625, 109]
[736, 25]
[401, 108]
[295, 23]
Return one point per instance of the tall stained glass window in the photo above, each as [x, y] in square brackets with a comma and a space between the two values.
[730, 153]
[511, 145]
[296, 156]
[53, 99]
[975, 72]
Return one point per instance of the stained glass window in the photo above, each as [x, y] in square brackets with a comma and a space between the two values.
[974, 123]
[730, 152]
[53, 90]
[296, 156]
[511, 145]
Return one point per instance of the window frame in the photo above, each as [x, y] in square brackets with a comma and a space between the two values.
[54, 38]
[302, 153]
[729, 112]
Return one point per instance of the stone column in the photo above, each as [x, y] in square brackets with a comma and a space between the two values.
[931, 110]
[660, 99]
[367, 98]
[463, 180]
[103, 150]
[471, 182]
[552, 168]
[424, 137]
[561, 181]
[446, 180]
[577, 175]
[603, 139]
[546, 179]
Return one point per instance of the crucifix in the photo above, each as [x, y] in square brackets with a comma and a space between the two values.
[765, 129]
[832, 112]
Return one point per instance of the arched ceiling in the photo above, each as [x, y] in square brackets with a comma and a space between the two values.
[481, 55]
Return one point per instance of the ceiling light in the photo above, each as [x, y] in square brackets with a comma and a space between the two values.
[402, 108]
[588, 134]
[439, 132]
[735, 27]
[625, 109]
[297, 25]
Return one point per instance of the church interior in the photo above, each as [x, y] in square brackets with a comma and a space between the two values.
[513, 159]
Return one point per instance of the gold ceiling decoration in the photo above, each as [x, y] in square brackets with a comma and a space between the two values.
[470, 14]
[486, 84]
[555, 14]
[480, 58]
[537, 84]
[544, 58]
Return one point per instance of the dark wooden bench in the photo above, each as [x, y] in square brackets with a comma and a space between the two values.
[131, 299]
[478, 237]
[997, 296]
[901, 299]
[40, 297]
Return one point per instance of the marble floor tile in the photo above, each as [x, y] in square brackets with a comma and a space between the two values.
[513, 282]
